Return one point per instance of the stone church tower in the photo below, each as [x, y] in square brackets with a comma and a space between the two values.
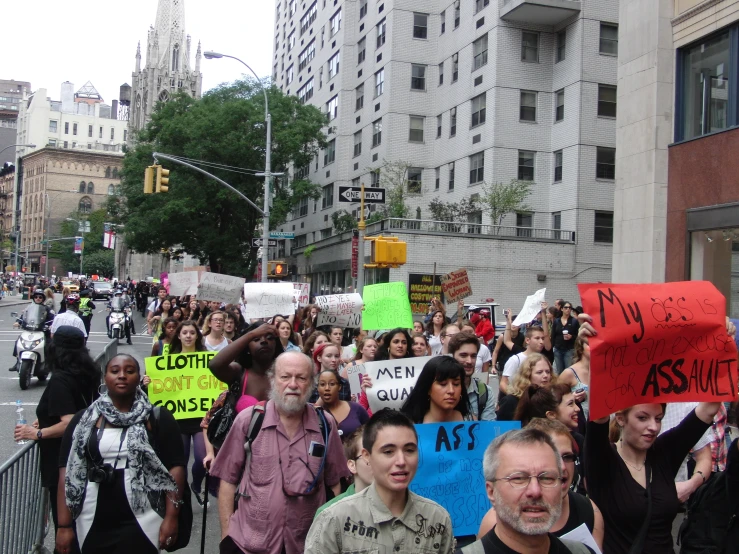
[167, 65]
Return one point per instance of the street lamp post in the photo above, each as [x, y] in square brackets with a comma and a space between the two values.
[81, 228]
[16, 199]
[267, 163]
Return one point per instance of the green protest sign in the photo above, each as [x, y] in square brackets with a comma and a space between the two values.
[183, 384]
[386, 306]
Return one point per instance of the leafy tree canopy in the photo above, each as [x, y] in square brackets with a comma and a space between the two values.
[64, 249]
[224, 128]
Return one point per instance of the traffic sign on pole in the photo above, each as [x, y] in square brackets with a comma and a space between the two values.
[372, 195]
[281, 235]
[257, 243]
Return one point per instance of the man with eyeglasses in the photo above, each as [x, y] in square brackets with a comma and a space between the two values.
[523, 478]
[290, 466]
[564, 333]
[447, 332]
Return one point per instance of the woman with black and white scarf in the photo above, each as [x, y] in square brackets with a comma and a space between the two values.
[116, 493]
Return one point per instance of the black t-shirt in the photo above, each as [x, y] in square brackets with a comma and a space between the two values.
[63, 395]
[504, 353]
[623, 501]
[493, 545]
[558, 338]
[507, 407]
[168, 443]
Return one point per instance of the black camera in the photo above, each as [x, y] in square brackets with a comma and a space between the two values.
[101, 474]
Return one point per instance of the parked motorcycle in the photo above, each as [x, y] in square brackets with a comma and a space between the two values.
[31, 345]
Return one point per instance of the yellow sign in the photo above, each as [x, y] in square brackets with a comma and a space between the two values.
[183, 384]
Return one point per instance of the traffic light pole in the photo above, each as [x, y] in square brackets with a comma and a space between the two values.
[360, 246]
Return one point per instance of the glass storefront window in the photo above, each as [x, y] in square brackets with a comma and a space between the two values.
[714, 257]
[705, 86]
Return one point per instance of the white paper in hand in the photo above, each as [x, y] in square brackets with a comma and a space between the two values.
[531, 307]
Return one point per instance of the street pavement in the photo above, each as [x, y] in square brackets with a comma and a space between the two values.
[10, 391]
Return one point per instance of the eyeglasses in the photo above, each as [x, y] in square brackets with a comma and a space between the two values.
[522, 480]
[569, 458]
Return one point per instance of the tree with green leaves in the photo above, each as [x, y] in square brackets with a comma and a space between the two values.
[226, 130]
[453, 211]
[64, 249]
[393, 177]
[500, 199]
[100, 263]
[343, 221]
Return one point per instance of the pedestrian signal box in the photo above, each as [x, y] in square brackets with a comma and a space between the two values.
[277, 270]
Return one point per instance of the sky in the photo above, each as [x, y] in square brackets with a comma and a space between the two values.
[96, 41]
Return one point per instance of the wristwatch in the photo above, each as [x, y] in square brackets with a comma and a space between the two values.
[38, 435]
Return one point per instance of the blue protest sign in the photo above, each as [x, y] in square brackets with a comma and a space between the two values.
[450, 468]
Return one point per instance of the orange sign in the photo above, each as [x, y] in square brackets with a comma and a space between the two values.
[658, 343]
[456, 285]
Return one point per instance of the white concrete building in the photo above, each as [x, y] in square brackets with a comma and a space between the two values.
[79, 120]
[466, 92]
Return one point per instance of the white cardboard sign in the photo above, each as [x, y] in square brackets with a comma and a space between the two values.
[185, 283]
[267, 299]
[215, 287]
[340, 310]
[531, 307]
[302, 293]
[392, 381]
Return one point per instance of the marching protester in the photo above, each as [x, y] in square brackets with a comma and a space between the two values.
[122, 472]
[386, 516]
[349, 415]
[418, 327]
[349, 352]
[420, 346]
[280, 479]
[484, 358]
[463, 347]
[577, 376]
[160, 314]
[509, 343]
[169, 330]
[535, 338]
[483, 328]
[63, 304]
[285, 331]
[395, 345]
[70, 317]
[213, 332]
[564, 333]
[326, 357]
[155, 304]
[433, 331]
[525, 478]
[308, 321]
[366, 351]
[229, 327]
[72, 387]
[315, 340]
[439, 395]
[49, 301]
[336, 335]
[446, 335]
[535, 370]
[86, 308]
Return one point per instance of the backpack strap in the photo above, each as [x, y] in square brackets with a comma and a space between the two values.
[255, 425]
[482, 398]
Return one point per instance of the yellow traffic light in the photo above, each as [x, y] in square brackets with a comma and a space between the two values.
[162, 179]
[149, 180]
[277, 269]
[388, 251]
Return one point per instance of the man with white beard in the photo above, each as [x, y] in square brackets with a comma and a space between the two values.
[523, 478]
[280, 471]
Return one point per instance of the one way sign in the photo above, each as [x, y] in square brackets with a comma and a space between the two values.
[371, 195]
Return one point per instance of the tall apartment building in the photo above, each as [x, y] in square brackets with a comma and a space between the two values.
[465, 92]
[11, 94]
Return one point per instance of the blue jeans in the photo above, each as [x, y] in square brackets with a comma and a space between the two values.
[562, 359]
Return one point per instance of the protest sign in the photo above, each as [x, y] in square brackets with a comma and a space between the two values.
[658, 343]
[421, 289]
[267, 299]
[340, 310]
[354, 373]
[302, 293]
[184, 283]
[386, 306]
[531, 307]
[215, 287]
[392, 381]
[450, 468]
[183, 384]
[456, 285]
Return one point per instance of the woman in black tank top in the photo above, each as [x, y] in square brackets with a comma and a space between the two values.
[576, 509]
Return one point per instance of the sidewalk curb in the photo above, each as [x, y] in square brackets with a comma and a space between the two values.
[7, 303]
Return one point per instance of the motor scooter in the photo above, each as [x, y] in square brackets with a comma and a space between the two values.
[31, 345]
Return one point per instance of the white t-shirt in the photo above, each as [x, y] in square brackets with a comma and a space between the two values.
[68, 318]
[154, 306]
[513, 365]
[217, 347]
[483, 356]
[435, 344]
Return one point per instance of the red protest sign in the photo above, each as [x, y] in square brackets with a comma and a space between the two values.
[658, 343]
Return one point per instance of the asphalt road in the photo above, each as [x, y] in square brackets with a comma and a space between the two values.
[10, 391]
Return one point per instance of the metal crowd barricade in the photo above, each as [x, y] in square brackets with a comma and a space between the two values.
[108, 353]
[23, 503]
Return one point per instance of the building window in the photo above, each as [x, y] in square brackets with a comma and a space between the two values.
[456, 14]
[414, 180]
[529, 47]
[361, 50]
[609, 39]
[332, 109]
[606, 101]
[379, 82]
[90, 188]
[474, 219]
[335, 23]
[112, 133]
[451, 176]
[452, 122]
[377, 133]
[706, 75]
[441, 73]
[85, 205]
[52, 126]
[74, 129]
[560, 103]
[416, 129]
[477, 168]
[437, 178]
[524, 222]
[308, 18]
[111, 190]
[443, 22]
[300, 240]
[291, 41]
[528, 106]
[359, 97]
[125, 135]
[381, 28]
[526, 165]
[66, 129]
[420, 25]
[329, 155]
[561, 45]
[605, 166]
[305, 92]
[439, 120]
[362, 8]
[375, 178]
[307, 55]
[481, 4]
[66, 144]
[478, 110]
[100, 134]
[333, 65]
[83, 186]
[557, 224]
[89, 131]
[293, 7]
[290, 74]
[52, 142]
[558, 166]
[357, 143]
[480, 52]
[327, 199]
[455, 68]
[603, 231]
[418, 77]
